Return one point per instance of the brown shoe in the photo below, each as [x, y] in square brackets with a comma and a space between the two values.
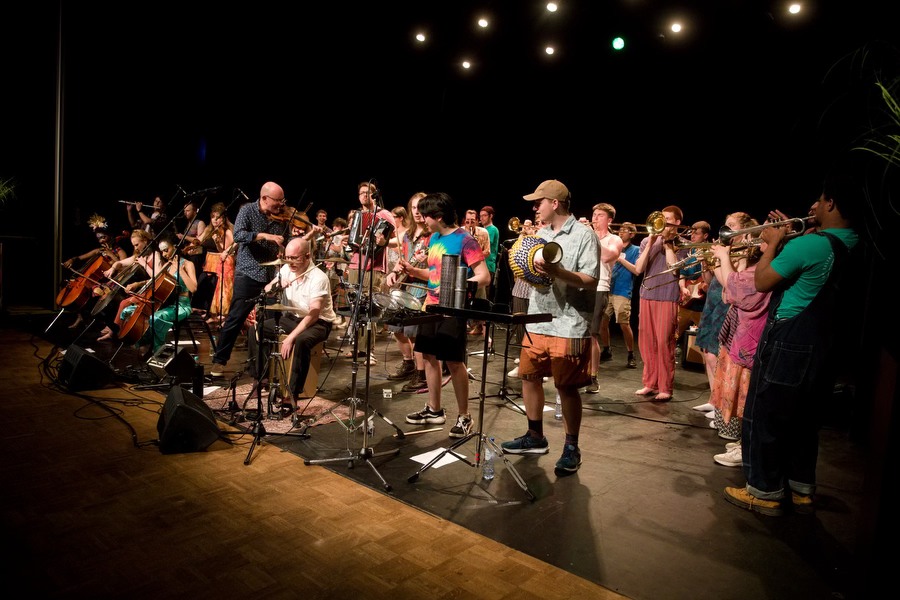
[741, 497]
[803, 504]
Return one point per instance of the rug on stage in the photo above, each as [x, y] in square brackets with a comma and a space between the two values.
[314, 411]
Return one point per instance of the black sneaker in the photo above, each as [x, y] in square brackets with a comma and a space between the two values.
[526, 445]
[426, 415]
[570, 459]
[462, 428]
[605, 355]
[415, 384]
[405, 370]
[632, 364]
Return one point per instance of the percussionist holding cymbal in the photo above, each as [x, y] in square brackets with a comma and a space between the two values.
[259, 241]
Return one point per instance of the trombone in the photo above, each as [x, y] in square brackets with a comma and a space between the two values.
[517, 226]
[726, 234]
[655, 225]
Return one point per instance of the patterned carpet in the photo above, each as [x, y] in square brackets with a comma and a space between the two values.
[312, 412]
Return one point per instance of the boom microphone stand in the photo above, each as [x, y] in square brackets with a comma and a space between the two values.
[365, 453]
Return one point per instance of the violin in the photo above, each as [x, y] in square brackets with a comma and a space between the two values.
[295, 217]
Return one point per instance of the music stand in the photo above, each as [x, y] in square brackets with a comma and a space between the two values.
[481, 438]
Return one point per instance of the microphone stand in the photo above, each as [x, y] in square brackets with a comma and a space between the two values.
[365, 453]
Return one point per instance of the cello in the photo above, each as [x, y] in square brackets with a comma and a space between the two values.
[151, 296]
[113, 292]
[78, 290]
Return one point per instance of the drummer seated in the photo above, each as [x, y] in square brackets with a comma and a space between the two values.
[302, 321]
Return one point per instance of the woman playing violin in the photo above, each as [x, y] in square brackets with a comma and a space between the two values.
[220, 260]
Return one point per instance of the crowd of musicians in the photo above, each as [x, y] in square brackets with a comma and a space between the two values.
[758, 295]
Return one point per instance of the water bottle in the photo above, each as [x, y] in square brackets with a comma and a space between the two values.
[487, 465]
[558, 414]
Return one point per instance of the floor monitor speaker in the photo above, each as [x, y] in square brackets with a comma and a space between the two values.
[80, 370]
[167, 362]
[186, 423]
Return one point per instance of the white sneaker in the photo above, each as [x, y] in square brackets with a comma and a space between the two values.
[731, 445]
[513, 373]
[517, 361]
[704, 407]
[731, 458]
[710, 415]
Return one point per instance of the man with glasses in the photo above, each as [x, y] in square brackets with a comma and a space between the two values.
[259, 240]
[306, 289]
[561, 347]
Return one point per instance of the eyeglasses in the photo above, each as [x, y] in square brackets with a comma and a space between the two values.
[276, 200]
[298, 257]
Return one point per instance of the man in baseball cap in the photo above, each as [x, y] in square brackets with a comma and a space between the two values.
[561, 347]
[553, 189]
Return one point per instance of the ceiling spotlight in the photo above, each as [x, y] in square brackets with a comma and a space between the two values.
[794, 8]
[618, 43]
[549, 50]
[466, 64]
[552, 6]
[420, 37]
[483, 23]
[676, 27]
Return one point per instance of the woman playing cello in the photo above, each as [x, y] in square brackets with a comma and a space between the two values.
[144, 321]
[146, 259]
[82, 292]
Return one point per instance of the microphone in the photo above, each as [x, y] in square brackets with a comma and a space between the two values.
[242, 194]
[181, 189]
[206, 191]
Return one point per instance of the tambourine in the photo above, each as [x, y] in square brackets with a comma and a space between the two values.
[523, 254]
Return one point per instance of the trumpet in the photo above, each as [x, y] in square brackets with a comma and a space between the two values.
[726, 234]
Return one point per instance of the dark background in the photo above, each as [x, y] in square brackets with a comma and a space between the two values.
[743, 111]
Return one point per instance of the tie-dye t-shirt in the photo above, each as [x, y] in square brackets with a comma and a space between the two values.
[458, 242]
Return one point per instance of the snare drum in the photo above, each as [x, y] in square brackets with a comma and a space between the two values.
[407, 302]
[387, 306]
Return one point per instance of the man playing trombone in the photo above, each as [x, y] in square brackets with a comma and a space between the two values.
[659, 305]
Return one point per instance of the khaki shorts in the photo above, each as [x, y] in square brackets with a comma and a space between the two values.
[567, 360]
[619, 306]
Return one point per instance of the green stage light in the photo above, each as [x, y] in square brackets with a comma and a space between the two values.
[618, 43]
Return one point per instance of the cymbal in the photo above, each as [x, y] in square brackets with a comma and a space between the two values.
[284, 307]
[336, 260]
[275, 263]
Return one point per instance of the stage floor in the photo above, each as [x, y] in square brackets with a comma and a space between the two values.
[644, 516]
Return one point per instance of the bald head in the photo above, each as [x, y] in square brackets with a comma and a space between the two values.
[297, 247]
[272, 190]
